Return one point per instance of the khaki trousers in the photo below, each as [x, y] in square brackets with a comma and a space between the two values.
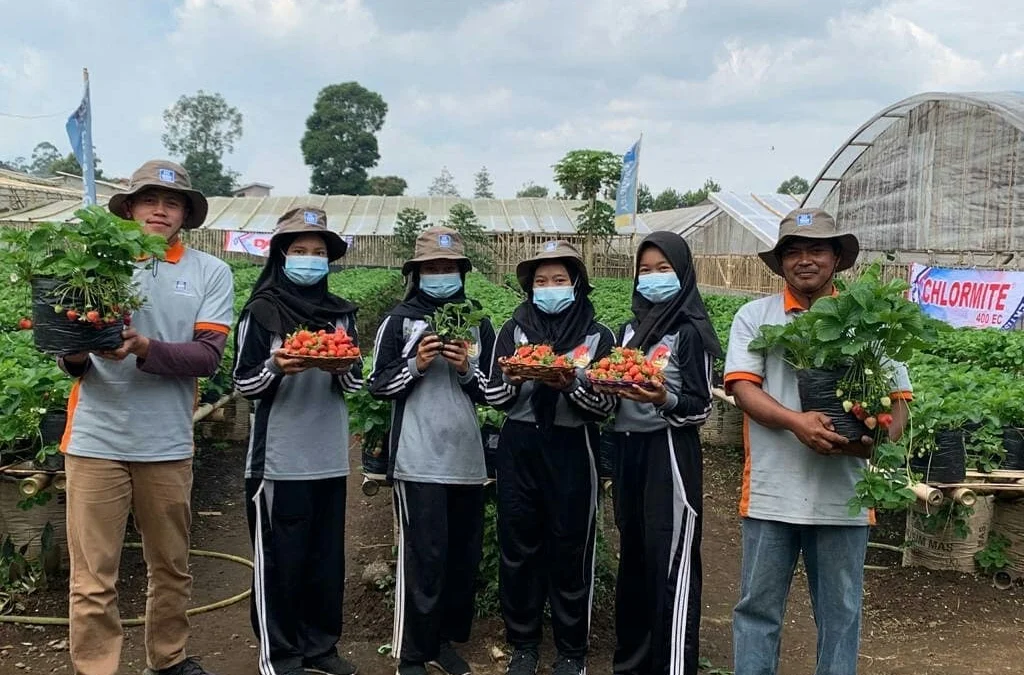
[100, 493]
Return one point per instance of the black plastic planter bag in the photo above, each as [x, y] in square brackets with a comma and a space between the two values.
[490, 435]
[375, 460]
[55, 334]
[818, 394]
[947, 463]
[51, 428]
[1013, 443]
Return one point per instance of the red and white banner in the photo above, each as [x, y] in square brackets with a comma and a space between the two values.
[969, 297]
[253, 243]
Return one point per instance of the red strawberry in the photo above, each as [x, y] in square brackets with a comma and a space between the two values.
[72, 315]
[859, 412]
[884, 420]
[25, 324]
[92, 316]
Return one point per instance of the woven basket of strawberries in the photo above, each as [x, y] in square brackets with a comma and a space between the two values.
[322, 349]
[622, 369]
[536, 362]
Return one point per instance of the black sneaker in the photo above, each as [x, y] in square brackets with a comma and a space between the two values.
[564, 665]
[448, 661]
[411, 668]
[187, 667]
[523, 662]
[331, 664]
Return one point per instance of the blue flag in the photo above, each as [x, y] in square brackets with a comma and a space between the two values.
[625, 198]
[79, 129]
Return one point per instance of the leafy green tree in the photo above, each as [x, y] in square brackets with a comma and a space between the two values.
[794, 186]
[584, 174]
[463, 220]
[203, 123]
[387, 186]
[695, 197]
[340, 143]
[484, 188]
[443, 185]
[44, 156]
[667, 200]
[208, 174]
[532, 190]
[644, 199]
[69, 164]
[408, 225]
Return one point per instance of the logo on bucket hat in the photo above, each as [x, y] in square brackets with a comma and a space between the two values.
[804, 219]
[550, 246]
[167, 175]
[310, 217]
[444, 240]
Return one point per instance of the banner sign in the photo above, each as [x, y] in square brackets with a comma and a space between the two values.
[253, 243]
[625, 197]
[968, 297]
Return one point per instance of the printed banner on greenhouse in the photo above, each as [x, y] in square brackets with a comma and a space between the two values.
[253, 243]
[968, 297]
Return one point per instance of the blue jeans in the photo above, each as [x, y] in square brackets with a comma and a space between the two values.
[834, 558]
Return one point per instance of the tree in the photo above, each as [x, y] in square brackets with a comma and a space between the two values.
[695, 197]
[340, 142]
[386, 186]
[208, 174]
[408, 225]
[463, 220]
[644, 199]
[203, 123]
[443, 185]
[583, 174]
[44, 156]
[794, 186]
[596, 219]
[484, 185]
[667, 200]
[532, 190]
[69, 164]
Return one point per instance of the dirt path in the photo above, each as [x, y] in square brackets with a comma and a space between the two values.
[916, 621]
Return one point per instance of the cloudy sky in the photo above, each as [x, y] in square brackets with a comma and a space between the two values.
[747, 91]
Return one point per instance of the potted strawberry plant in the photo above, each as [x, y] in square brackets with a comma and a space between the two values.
[455, 321]
[81, 275]
[843, 350]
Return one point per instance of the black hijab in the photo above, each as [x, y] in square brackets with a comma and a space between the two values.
[654, 321]
[564, 332]
[282, 306]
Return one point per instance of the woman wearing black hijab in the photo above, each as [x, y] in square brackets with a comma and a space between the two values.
[547, 478]
[437, 456]
[658, 484]
[298, 452]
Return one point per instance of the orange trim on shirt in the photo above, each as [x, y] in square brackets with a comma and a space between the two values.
[65, 440]
[174, 252]
[790, 303]
[872, 521]
[745, 494]
[741, 376]
[902, 396]
[215, 327]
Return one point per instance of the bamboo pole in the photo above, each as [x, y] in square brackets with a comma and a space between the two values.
[963, 495]
[60, 482]
[927, 494]
[1002, 580]
[34, 484]
[207, 409]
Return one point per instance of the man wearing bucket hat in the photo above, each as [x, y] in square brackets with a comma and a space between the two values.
[128, 440]
[799, 473]
[297, 461]
[437, 456]
[547, 475]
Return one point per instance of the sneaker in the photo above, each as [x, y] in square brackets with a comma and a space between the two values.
[411, 668]
[187, 667]
[448, 661]
[331, 664]
[564, 665]
[523, 662]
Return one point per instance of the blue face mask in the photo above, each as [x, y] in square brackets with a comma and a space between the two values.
[553, 299]
[658, 287]
[305, 270]
[441, 285]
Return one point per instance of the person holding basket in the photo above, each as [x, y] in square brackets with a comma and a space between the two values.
[428, 360]
[546, 471]
[297, 462]
[659, 478]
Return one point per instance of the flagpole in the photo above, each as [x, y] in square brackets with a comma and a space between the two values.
[89, 164]
[636, 183]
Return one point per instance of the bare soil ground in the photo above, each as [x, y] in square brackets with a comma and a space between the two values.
[916, 621]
